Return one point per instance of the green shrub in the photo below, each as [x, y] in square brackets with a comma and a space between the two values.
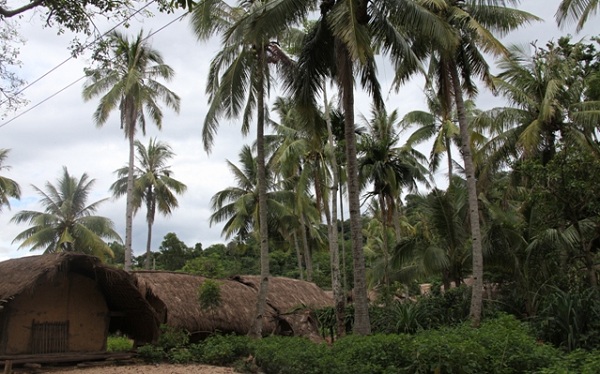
[570, 319]
[578, 361]
[180, 356]
[224, 349]
[291, 355]
[171, 337]
[151, 353]
[448, 350]
[397, 317]
[448, 309]
[119, 344]
[370, 354]
[209, 294]
[511, 346]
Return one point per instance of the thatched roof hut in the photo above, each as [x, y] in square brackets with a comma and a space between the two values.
[71, 298]
[175, 299]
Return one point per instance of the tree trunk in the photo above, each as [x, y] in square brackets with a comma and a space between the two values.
[261, 302]
[334, 256]
[130, 128]
[384, 238]
[307, 256]
[362, 324]
[477, 288]
[343, 232]
[298, 255]
[449, 154]
[150, 220]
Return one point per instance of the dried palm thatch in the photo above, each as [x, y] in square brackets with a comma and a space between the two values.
[287, 294]
[175, 299]
[23, 275]
[290, 303]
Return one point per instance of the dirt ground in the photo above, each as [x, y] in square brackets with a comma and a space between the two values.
[138, 369]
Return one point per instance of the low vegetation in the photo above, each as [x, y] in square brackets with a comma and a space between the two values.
[502, 345]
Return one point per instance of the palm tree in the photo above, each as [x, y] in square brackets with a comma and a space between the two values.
[341, 42]
[437, 123]
[67, 223]
[237, 206]
[390, 169]
[238, 82]
[545, 97]
[474, 24]
[8, 187]
[439, 244]
[128, 82]
[576, 10]
[153, 185]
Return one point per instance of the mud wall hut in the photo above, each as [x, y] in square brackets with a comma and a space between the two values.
[65, 303]
[174, 297]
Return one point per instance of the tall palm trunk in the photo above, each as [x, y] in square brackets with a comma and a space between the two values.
[343, 232]
[334, 256]
[256, 328]
[130, 119]
[298, 255]
[384, 237]
[362, 324]
[150, 220]
[307, 255]
[477, 290]
[449, 155]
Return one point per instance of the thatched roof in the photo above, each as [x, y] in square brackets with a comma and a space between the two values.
[287, 294]
[175, 299]
[23, 275]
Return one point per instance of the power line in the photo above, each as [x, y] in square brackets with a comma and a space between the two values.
[81, 50]
[80, 78]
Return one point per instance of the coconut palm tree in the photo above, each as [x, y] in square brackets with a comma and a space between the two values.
[67, 223]
[389, 167]
[153, 185]
[238, 85]
[475, 24]
[439, 244]
[237, 206]
[545, 104]
[437, 123]
[341, 44]
[129, 82]
[8, 187]
[576, 10]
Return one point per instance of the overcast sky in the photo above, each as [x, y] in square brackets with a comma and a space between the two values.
[60, 132]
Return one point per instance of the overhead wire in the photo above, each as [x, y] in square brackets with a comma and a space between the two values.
[84, 76]
[81, 49]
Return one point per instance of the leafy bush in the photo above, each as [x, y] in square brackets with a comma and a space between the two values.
[180, 356]
[370, 354]
[224, 349]
[447, 351]
[397, 317]
[291, 355]
[209, 294]
[570, 320]
[500, 346]
[448, 309]
[151, 353]
[578, 361]
[511, 345]
[171, 337]
[118, 344]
